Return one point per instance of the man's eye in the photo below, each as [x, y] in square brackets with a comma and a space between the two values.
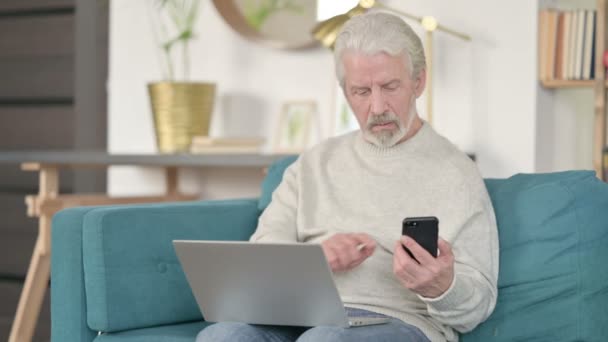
[391, 87]
[362, 91]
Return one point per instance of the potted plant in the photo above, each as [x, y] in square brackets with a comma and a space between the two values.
[181, 108]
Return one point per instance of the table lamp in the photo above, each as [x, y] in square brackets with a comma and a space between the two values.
[326, 32]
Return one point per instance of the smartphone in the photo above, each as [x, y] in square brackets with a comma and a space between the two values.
[424, 230]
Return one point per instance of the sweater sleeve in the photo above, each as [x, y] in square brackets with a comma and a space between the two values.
[472, 296]
[278, 223]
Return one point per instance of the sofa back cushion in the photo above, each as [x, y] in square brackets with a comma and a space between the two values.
[132, 276]
[553, 235]
[553, 283]
[272, 180]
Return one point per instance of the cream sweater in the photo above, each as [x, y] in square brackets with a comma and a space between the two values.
[349, 185]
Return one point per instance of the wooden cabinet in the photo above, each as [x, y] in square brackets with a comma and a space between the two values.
[53, 67]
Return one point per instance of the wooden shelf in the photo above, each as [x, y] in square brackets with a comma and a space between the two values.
[554, 84]
[600, 95]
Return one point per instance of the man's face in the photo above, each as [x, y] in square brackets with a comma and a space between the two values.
[382, 94]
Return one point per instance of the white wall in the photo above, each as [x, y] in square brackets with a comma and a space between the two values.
[565, 130]
[485, 90]
[253, 81]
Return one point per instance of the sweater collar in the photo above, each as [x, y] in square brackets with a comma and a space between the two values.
[417, 141]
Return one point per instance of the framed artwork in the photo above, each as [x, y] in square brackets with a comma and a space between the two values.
[294, 126]
[344, 119]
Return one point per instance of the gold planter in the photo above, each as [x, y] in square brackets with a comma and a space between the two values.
[181, 110]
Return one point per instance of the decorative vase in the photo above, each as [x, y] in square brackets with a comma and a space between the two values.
[181, 110]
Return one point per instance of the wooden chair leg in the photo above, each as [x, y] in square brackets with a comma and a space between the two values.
[32, 295]
[37, 279]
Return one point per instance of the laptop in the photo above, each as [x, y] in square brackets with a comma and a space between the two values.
[265, 283]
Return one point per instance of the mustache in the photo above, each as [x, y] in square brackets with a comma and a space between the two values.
[382, 119]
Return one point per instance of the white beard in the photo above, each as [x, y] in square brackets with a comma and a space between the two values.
[388, 138]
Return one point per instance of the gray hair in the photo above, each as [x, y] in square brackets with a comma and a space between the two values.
[377, 32]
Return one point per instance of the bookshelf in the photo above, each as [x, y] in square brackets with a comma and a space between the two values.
[599, 84]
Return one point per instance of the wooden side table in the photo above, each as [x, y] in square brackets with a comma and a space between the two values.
[49, 201]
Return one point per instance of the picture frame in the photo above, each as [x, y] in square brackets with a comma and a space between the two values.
[343, 119]
[293, 128]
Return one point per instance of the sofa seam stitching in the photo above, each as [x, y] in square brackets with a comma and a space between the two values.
[567, 187]
[103, 265]
[82, 220]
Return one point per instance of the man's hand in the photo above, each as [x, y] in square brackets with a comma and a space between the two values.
[429, 277]
[345, 251]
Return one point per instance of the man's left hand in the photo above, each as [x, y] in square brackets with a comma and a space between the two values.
[429, 277]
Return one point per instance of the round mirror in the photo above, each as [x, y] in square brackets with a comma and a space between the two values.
[284, 24]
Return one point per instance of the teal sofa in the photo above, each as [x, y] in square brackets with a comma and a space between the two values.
[115, 275]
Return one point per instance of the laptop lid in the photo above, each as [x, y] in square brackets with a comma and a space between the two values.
[261, 283]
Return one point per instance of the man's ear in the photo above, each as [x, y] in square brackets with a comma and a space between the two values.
[420, 83]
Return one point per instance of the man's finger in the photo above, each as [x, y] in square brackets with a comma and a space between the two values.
[405, 259]
[445, 249]
[399, 252]
[364, 238]
[404, 266]
[331, 257]
[364, 243]
[346, 250]
[399, 255]
[367, 248]
[421, 254]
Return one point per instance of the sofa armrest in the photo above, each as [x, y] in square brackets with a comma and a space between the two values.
[130, 273]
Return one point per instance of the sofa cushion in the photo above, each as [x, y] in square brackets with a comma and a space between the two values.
[167, 333]
[553, 283]
[132, 276]
[272, 180]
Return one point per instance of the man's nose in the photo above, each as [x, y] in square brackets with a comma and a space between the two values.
[378, 103]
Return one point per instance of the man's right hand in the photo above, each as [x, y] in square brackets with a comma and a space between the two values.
[345, 251]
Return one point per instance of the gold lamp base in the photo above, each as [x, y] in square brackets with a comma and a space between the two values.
[181, 110]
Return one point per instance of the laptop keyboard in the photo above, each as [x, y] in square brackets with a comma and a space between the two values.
[353, 312]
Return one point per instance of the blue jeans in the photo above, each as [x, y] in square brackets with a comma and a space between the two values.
[394, 330]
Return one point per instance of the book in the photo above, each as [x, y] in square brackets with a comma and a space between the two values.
[551, 44]
[593, 42]
[588, 45]
[559, 47]
[205, 144]
[579, 47]
[572, 45]
[566, 44]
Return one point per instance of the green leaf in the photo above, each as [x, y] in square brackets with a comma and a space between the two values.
[176, 20]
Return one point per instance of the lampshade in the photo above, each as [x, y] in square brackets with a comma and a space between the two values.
[327, 31]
